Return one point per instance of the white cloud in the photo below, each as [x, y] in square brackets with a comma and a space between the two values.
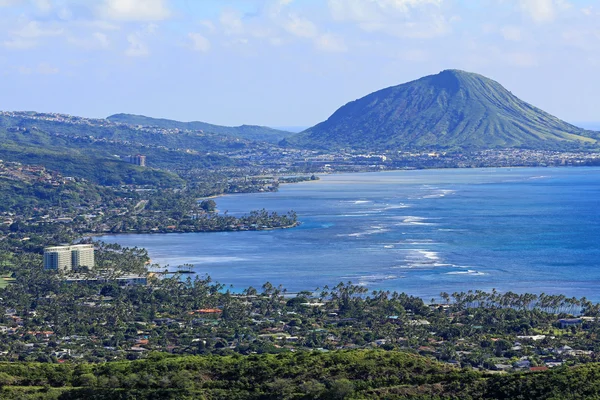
[137, 46]
[330, 43]
[402, 18]
[199, 42]
[208, 24]
[300, 27]
[541, 11]
[43, 5]
[366, 10]
[9, 3]
[231, 22]
[102, 39]
[27, 36]
[19, 43]
[33, 30]
[47, 69]
[65, 14]
[511, 33]
[134, 10]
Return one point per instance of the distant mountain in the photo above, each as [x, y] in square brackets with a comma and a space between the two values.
[451, 110]
[250, 132]
[292, 129]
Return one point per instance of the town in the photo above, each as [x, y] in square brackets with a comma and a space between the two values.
[118, 310]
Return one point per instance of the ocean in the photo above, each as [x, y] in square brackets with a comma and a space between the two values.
[420, 232]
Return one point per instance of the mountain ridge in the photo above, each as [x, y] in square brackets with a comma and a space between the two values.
[250, 132]
[453, 109]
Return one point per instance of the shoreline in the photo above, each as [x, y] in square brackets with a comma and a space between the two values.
[324, 174]
[298, 223]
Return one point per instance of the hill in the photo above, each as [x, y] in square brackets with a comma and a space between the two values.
[249, 132]
[453, 110]
[98, 150]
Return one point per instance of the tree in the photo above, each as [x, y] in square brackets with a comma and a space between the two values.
[208, 205]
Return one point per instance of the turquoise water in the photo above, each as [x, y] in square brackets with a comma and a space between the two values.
[421, 232]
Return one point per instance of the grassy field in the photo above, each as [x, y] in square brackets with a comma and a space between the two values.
[5, 280]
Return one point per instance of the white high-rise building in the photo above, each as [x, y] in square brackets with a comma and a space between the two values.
[58, 258]
[82, 255]
[63, 258]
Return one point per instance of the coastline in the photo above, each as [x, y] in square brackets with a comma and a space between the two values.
[298, 223]
[366, 249]
[326, 174]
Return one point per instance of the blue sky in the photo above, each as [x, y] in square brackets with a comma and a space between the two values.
[287, 62]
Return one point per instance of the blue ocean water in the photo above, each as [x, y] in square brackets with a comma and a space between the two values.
[421, 232]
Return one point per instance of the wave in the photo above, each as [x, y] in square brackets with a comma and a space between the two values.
[398, 206]
[414, 220]
[441, 193]
[364, 280]
[471, 272]
[430, 255]
[413, 242]
[205, 260]
[373, 230]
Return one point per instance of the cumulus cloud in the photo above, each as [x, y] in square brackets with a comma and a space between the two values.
[9, 3]
[33, 29]
[301, 27]
[231, 22]
[403, 18]
[19, 43]
[134, 10]
[199, 42]
[541, 11]
[137, 46]
[28, 34]
[43, 5]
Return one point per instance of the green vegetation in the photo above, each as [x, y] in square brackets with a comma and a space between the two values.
[83, 158]
[453, 110]
[304, 375]
[194, 338]
[250, 132]
[5, 281]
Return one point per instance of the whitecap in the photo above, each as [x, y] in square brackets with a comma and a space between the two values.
[365, 280]
[366, 232]
[205, 260]
[471, 272]
[414, 220]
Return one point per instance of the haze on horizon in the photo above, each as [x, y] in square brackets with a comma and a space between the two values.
[287, 62]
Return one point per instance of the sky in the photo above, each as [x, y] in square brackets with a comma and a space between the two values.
[287, 62]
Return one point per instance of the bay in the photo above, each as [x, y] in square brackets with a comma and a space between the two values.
[420, 232]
